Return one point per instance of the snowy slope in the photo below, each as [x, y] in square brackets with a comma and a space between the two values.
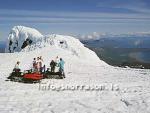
[82, 67]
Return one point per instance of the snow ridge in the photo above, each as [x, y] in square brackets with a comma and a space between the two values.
[25, 39]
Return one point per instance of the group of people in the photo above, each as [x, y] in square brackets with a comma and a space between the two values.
[58, 63]
[39, 66]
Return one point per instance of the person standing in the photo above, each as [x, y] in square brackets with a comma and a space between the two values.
[61, 67]
[42, 68]
[39, 64]
[34, 65]
[57, 60]
[52, 65]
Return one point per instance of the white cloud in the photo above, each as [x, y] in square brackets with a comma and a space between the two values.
[11, 16]
[94, 36]
[137, 42]
[92, 15]
[98, 35]
[138, 6]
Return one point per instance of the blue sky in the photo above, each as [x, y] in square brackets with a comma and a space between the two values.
[73, 17]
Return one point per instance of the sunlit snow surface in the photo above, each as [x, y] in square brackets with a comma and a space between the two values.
[82, 67]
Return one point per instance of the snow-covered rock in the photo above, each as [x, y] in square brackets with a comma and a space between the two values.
[19, 36]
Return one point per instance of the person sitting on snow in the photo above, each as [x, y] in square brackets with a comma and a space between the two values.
[61, 67]
[52, 65]
[17, 67]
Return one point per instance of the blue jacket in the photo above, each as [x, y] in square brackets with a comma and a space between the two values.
[61, 64]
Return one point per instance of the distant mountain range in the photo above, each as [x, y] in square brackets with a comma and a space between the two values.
[122, 51]
[120, 42]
